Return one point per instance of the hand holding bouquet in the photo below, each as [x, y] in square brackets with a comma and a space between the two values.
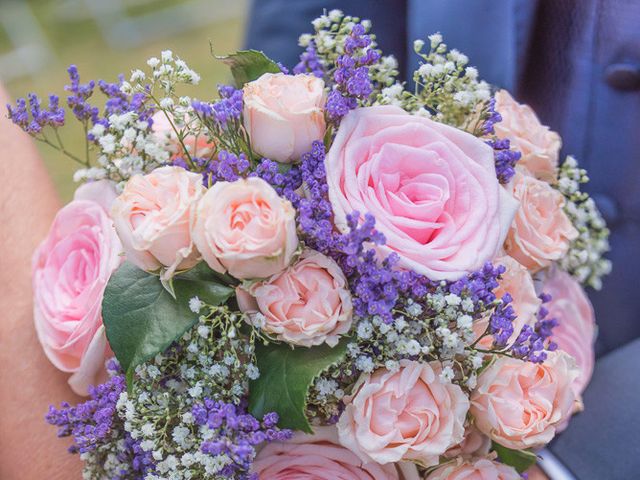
[322, 274]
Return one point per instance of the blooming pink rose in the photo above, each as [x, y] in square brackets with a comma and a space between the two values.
[307, 304]
[539, 145]
[576, 330]
[473, 444]
[478, 469]
[321, 457]
[541, 232]
[103, 192]
[152, 217]
[517, 282]
[432, 189]
[71, 268]
[410, 414]
[519, 404]
[283, 114]
[197, 145]
[245, 228]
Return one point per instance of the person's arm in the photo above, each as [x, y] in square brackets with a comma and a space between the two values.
[29, 448]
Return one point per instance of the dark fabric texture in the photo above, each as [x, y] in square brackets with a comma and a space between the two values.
[602, 442]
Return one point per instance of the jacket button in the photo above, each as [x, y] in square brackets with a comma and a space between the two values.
[608, 207]
[623, 76]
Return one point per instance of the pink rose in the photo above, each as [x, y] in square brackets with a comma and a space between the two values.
[539, 145]
[478, 469]
[283, 114]
[410, 414]
[541, 232]
[152, 218]
[71, 268]
[432, 189]
[576, 330]
[103, 192]
[517, 282]
[307, 304]
[197, 145]
[321, 457]
[519, 404]
[245, 228]
[473, 444]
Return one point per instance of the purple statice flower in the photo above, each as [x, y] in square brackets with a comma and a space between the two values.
[120, 103]
[222, 111]
[89, 423]
[236, 434]
[501, 322]
[138, 461]
[493, 117]
[284, 182]
[309, 62]
[505, 159]
[533, 343]
[479, 286]
[79, 94]
[351, 75]
[32, 118]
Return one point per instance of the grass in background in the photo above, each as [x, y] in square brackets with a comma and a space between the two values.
[79, 41]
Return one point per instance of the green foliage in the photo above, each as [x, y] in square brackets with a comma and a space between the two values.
[142, 318]
[285, 377]
[521, 460]
[248, 65]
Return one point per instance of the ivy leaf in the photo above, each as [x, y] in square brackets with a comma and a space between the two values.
[285, 377]
[248, 65]
[142, 318]
[521, 460]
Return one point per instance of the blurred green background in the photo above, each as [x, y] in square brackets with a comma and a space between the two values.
[39, 39]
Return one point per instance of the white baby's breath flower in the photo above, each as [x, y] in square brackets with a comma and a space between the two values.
[418, 45]
[195, 304]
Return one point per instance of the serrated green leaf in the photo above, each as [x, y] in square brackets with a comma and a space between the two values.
[142, 318]
[248, 65]
[521, 460]
[285, 377]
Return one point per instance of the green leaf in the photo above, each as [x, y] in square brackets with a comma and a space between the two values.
[142, 318]
[248, 65]
[285, 377]
[521, 460]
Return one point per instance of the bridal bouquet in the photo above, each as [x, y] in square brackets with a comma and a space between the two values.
[323, 274]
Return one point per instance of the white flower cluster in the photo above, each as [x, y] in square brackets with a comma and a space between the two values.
[439, 328]
[445, 87]
[210, 361]
[126, 147]
[328, 39]
[584, 260]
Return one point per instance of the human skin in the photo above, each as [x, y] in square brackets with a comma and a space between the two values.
[29, 448]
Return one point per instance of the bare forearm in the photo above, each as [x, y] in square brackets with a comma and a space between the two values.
[29, 448]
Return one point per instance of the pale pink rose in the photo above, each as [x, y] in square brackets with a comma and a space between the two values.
[409, 414]
[196, 145]
[245, 228]
[283, 114]
[307, 304]
[103, 192]
[541, 232]
[71, 268]
[474, 469]
[432, 189]
[517, 282]
[321, 457]
[152, 217]
[576, 330]
[473, 444]
[539, 145]
[519, 404]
